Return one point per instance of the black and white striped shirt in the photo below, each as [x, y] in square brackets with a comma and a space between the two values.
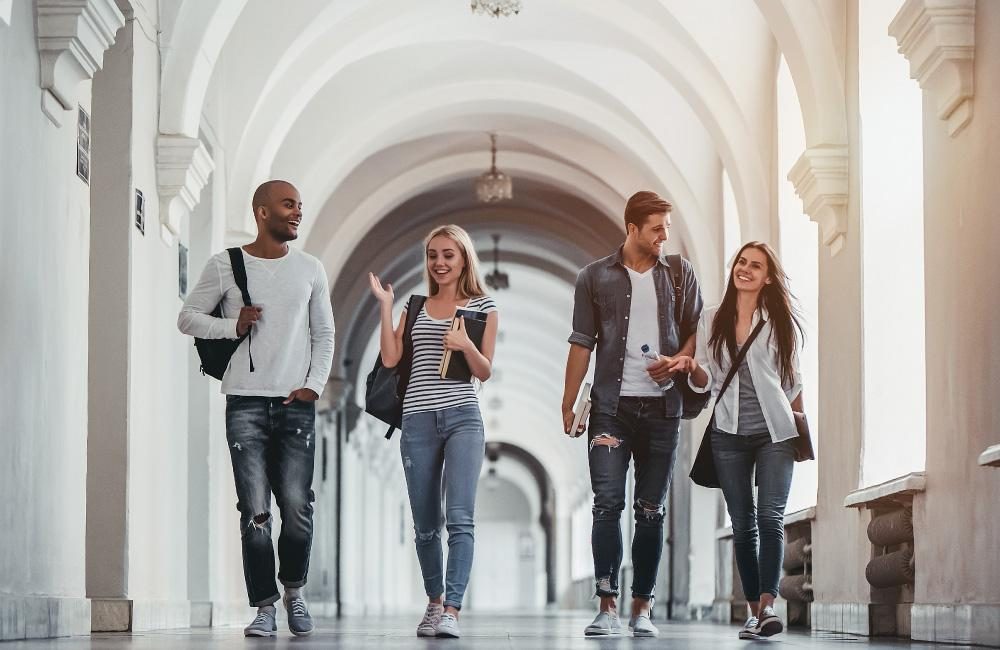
[427, 391]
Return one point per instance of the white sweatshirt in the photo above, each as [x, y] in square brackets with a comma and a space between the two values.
[291, 344]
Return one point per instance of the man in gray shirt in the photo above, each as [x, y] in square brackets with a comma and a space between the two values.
[272, 383]
[624, 305]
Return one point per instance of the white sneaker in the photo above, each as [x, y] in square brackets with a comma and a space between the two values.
[769, 623]
[605, 624]
[432, 616]
[749, 631]
[448, 627]
[641, 626]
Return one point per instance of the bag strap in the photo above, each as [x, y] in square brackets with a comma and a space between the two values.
[675, 264]
[413, 307]
[739, 358]
[240, 275]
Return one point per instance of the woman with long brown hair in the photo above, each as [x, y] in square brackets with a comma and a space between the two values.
[442, 432]
[758, 326]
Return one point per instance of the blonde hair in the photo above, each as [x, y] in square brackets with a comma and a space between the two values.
[469, 284]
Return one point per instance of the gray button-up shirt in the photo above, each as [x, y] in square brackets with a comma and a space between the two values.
[601, 306]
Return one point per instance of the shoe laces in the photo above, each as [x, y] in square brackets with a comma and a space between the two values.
[448, 619]
[298, 607]
[751, 622]
[262, 618]
[430, 614]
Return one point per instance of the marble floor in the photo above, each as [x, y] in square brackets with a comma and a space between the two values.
[551, 631]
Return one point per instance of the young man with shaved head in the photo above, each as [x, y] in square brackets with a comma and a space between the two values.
[273, 381]
[625, 307]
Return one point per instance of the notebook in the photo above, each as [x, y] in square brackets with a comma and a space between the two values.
[581, 412]
[453, 364]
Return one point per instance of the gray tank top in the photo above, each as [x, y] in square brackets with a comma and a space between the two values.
[751, 417]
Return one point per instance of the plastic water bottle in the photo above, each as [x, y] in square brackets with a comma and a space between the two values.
[652, 356]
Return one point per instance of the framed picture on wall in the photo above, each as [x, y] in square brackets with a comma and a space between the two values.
[182, 270]
[83, 145]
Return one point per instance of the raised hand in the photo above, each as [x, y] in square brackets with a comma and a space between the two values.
[383, 295]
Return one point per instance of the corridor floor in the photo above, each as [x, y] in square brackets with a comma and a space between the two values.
[555, 631]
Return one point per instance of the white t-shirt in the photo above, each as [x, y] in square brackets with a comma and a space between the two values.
[291, 344]
[643, 328]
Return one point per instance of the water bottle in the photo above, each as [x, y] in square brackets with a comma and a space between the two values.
[653, 356]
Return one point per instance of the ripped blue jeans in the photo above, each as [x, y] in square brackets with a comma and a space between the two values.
[273, 447]
[450, 442]
[638, 432]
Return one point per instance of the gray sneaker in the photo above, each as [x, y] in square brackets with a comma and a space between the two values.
[641, 626]
[447, 627]
[263, 624]
[769, 623]
[300, 623]
[749, 631]
[605, 624]
[432, 616]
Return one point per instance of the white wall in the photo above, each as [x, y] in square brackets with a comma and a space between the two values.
[43, 339]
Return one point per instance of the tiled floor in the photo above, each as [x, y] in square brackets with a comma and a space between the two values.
[555, 631]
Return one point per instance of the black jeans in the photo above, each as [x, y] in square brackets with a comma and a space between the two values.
[272, 447]
[639, 431]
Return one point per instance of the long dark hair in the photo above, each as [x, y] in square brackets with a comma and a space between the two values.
[782, 312]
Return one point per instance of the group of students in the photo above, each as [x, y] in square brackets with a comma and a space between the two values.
[643, 318]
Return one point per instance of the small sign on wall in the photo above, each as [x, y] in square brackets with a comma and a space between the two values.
[182, 270]
[140, 212]
[83, 145]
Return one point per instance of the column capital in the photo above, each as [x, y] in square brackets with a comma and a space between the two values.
[938, 38]
[72, 38]
[821, 181]
[183, 166]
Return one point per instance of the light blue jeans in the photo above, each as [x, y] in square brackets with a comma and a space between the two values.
[451, 443]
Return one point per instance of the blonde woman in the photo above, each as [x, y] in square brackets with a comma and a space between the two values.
[442, 428]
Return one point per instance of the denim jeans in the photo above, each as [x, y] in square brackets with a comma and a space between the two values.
[449, 442]
[638, 431]
[272, 447]
[735, 457]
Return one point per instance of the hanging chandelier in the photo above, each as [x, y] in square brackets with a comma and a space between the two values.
[494, 185]
[497, 280]
[496, 8]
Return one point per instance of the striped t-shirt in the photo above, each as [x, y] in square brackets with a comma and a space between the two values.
[427, 391]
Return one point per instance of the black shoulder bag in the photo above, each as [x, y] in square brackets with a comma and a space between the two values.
[703, 471]
[386, 387]
[693, 402]
[216, 353]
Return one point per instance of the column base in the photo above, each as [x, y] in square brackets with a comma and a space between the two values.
[846, 618]
[971, 623]
[126, 615]
[39, 617]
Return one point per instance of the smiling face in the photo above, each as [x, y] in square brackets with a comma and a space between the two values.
[445, 261]
[751, 271]
[280, 212]
[650, 237]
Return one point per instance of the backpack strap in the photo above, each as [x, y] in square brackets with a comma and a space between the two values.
[240, 275]
[676, 269]
[413, 307]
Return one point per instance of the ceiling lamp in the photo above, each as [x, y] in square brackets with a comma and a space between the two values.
[496, 8]
[497, 280]
[493, 186]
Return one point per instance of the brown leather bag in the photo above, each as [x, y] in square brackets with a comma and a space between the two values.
[803, 443]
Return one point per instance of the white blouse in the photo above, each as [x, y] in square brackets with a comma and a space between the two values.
[775, 396]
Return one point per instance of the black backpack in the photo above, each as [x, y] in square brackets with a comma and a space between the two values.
[693, 402]
[385, 388]
[216, 353]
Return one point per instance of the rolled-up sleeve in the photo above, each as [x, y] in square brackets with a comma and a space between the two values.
[701, 354]
[584, 324]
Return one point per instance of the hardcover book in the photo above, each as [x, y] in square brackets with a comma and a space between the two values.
[581, 412]
[453, 364]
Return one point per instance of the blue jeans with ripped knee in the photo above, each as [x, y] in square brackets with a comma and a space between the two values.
[639, 432]
[449, 442]
[272, 447]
